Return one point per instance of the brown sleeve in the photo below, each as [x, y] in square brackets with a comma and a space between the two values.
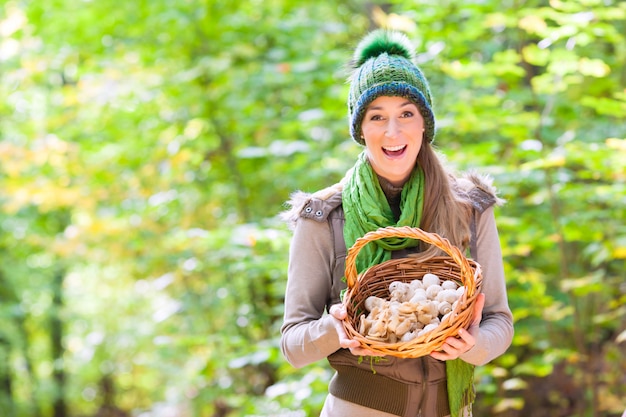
[496, 327]
[307, 333]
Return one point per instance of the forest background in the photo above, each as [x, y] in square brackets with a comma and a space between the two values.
[147, 148]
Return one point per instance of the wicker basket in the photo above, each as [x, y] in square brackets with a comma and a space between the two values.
[375, 282]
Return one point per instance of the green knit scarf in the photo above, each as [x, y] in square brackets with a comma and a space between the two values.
[366, 209]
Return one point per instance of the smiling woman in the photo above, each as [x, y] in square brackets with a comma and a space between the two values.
[392, 130]
[398, 180]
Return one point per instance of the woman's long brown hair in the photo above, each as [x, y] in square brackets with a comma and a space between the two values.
[446, 210]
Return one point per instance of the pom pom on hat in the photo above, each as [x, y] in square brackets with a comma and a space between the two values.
[384, 66]
[380, 42]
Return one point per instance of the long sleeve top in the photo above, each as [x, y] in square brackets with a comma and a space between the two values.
[308, 334]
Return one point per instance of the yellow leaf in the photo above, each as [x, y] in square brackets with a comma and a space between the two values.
[392, 20]
[181, 157]
[616, 143]
[495, 20]
[533, 24]
[459, 70]
[535, 55]
[619, 252]
[593, 67]
[194, 128]
[552, 161]
[509, 404]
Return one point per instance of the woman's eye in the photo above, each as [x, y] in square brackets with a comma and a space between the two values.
[376, 117]
[407, 114]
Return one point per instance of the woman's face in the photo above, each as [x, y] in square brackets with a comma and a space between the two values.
[393, 130]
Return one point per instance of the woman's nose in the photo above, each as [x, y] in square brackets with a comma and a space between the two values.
[392, 128]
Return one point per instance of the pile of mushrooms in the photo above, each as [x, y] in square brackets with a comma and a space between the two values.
[413, 309]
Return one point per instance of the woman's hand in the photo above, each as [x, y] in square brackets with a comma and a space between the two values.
[338, 312]
[456, 346]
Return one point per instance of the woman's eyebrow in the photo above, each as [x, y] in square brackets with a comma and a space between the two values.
[407, 103]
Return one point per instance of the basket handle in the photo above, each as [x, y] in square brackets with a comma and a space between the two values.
[407, 232]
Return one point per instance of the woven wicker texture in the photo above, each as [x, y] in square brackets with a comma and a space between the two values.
[375, 282]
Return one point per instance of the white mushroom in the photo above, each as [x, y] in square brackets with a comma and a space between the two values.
[376, 312]
[430, 307]
[403, 327]
[425, 318]
[433, 290]
[400, 291]
[394, 321]
[460, 291]
[378, 329]
[430, 279]
[444, 308]
[448, 296]
[408, 307]
[435, 320]
[394, 307]
[419, 295]
[446, 316]
[428, 328]
[412, 309]
[364, 325]
[449, 285]
[371, 302]
[408, 336]
[416, 284]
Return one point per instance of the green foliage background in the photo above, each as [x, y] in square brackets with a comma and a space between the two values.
[146, 149]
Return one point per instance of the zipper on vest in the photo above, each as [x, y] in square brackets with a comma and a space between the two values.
[424, 398]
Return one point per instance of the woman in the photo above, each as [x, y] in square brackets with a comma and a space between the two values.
[397, 180]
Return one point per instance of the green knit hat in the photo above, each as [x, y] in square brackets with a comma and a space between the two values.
[383, 63]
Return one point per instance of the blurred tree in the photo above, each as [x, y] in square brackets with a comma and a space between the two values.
[146, 148]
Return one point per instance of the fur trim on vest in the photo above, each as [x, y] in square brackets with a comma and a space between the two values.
[479, 188]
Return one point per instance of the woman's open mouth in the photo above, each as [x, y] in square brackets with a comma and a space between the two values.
[394, 151]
